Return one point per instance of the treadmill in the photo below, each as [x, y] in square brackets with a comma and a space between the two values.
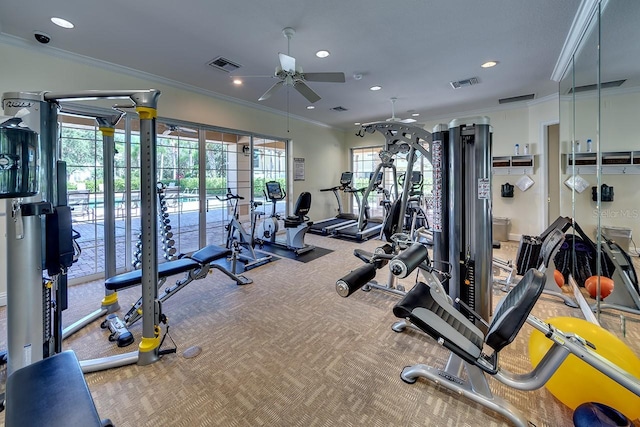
[326, 226]
[365, 227]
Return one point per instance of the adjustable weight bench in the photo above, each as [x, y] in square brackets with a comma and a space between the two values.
[51, 392]
[196, 266]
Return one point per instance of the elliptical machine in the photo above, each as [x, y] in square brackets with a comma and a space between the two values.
[296, 225]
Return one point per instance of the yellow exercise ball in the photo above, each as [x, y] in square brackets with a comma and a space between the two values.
[576, 382]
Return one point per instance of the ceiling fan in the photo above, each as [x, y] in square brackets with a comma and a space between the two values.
[393, 117]
[177, 129]
[292, 75]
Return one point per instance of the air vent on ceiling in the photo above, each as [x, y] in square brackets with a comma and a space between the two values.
[464, 83]
[223, 64]
[339, 108]
[517, 98]
[606, 85]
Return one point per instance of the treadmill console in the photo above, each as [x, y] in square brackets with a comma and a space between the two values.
[346, 178]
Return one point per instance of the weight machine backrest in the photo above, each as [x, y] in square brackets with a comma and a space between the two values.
[513, 310]
[551, 243]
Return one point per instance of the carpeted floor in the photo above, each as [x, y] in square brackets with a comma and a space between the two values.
[288, 351]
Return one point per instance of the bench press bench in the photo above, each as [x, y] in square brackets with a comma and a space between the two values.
[196, 266]
[51, 392]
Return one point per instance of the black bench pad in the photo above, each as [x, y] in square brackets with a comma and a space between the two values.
[51, 392]
[201, 257]
[210, 253]
[166, 269]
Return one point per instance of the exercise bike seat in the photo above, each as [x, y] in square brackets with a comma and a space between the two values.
[429, 310]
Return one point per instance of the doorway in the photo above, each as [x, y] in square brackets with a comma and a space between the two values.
[553, 172]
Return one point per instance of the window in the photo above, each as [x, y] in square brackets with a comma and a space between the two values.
[365, 160]
[195, 164]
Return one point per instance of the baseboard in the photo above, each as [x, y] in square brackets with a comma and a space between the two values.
[515, 237]
[3, 299]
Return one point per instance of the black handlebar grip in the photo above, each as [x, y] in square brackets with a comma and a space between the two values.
[355, 280]
[404, 263]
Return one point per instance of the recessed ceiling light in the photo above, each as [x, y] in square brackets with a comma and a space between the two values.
[237, 81]
[489, 64]
[375, 88]
[415, 114]
[357, 123]
[322, 53]
[60, 22]
[310, 107]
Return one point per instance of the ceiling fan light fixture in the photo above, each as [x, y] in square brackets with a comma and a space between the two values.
[61, 22]
[310, 107]
[357, 123]
[237, 82]
[489, 64]
[322, 53]
[375, 88]
[415, 114]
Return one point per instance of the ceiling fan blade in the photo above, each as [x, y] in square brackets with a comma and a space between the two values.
[324, 77]
[271, 91]
[288, 63]
[306, 91]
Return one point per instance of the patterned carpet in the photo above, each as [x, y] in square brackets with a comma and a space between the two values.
[288, 351]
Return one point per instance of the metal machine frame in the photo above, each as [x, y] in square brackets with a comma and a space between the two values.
[25, 290]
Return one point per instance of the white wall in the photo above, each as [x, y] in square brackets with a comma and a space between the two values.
[34, 68]
[618, 132]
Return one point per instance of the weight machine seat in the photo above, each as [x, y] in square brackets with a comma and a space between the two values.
[51, 392]
[198, 259]
[429, 310]
[303, 205]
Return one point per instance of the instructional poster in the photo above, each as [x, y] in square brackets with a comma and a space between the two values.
[298, 169]
[484, 188]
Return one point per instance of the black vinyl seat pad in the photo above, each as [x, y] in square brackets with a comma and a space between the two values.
[198, 259]
[426, 308]
[51, 392]
[429, 310]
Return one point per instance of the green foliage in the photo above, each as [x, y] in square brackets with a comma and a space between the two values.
[214, 186]
[259, 185]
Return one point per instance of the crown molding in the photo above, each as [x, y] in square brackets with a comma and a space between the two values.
[86, 60]
[577, 31]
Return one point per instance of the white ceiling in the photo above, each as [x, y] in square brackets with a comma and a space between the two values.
[412, 48]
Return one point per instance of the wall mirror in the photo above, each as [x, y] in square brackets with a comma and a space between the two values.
[599, 114]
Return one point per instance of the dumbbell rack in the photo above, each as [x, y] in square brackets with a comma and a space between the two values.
[168, 244]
